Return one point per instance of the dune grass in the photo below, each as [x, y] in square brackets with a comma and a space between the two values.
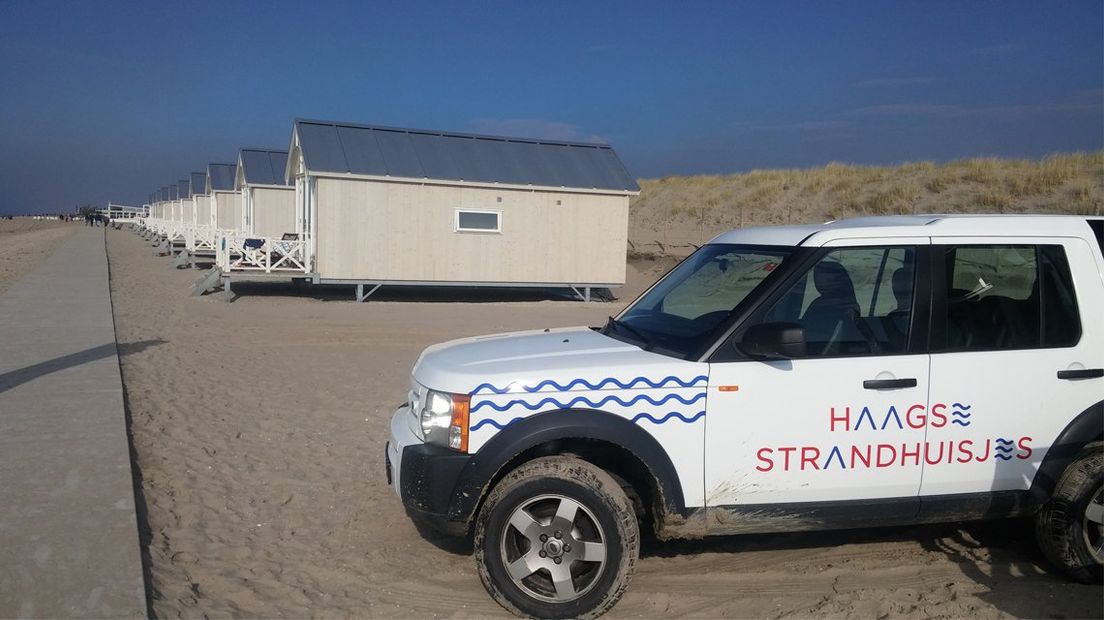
[688, 210]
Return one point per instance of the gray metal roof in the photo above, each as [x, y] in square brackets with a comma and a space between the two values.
[220, 177]
[174, 191]
[263, 166]
[199, 183]
[412, 153]
[185, 186]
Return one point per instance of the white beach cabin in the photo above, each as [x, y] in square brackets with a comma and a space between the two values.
[201, 239]
[381, 205]
[268, 202]
[225, 200]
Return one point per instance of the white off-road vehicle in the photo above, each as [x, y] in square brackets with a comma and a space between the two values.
[866, 372]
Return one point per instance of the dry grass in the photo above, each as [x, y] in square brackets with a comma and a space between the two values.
[686, 211]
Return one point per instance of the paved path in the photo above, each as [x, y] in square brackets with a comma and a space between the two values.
[68, 532]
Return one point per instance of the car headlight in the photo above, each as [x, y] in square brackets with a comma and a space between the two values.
[444, 420]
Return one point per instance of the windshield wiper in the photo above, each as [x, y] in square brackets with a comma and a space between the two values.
[612, 324]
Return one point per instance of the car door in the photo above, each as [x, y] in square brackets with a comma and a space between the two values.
[846, 421]
[1014, 354]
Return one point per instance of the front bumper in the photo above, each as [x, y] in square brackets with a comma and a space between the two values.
[425, 477]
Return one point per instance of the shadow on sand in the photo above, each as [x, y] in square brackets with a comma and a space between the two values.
[26, 374]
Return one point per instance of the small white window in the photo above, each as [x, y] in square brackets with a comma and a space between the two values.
[477, 220]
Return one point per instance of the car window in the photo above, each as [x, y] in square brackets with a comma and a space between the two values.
[680, 314]
[853, 301]
[719, 284]
[1002, 297]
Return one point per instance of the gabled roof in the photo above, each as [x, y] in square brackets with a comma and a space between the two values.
[220, 177]
[199, 183]
[174, 191]
[328, 147]
[185, 186]
[261, 167]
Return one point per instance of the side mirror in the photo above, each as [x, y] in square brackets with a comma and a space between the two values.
[774, 341]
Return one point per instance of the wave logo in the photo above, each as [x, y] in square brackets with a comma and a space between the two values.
[599, 385]
[1002, 449]
[583, 400]
[638, 418]
[960, 414]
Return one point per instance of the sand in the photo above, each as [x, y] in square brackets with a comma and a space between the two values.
[259, 428]
[25, 242]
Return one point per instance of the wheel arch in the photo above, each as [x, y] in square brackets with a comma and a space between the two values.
[604, 439]
[1086, 427]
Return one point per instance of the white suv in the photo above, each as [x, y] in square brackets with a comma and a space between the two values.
[865, 372]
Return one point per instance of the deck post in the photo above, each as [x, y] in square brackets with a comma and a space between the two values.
[227, 294]
[361, 295]
[586, 294]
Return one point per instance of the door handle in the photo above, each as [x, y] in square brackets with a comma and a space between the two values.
[888, 384]
[1087, 373]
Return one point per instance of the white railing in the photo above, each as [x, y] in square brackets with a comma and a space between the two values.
[239, 252]
[201, 237]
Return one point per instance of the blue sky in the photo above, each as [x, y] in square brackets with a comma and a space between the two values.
[110, 100]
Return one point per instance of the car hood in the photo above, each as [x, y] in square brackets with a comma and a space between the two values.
[513, 361]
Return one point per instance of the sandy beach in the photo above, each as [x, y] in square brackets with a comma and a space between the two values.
[259, 428]
[25, 242]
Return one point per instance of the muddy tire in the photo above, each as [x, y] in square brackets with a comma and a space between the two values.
[557, 538]
[1069, 528]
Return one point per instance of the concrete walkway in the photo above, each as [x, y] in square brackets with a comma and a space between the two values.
[68, 532]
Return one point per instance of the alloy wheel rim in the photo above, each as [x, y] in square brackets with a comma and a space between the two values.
[1092, 525]
[553, 548]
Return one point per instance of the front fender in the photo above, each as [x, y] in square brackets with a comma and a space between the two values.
[1084, 428]
[487, 465]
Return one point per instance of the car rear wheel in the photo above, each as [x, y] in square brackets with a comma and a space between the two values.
[557, 538]
[1070, 527]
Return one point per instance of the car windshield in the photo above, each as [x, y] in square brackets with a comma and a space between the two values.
[680, 314]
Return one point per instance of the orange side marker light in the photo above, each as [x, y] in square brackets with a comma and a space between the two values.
[729, 388]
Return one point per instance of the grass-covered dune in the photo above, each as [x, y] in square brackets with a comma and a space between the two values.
[673, 214]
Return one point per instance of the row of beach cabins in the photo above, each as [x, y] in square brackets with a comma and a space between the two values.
[372, 206]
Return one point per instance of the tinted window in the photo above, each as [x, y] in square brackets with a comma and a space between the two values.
[854, 301]
[683, 310]
[1008, 297]
[1097, 227]
[477, 220]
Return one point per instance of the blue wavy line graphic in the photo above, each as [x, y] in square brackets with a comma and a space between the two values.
[1003, 448]
[584, 400]
[636, 419]
[674, 414]
[961, 406]
[693, 382]
[1004, 457]
[960, 422]
[959, 414]
[490, 422]
[1001, 440]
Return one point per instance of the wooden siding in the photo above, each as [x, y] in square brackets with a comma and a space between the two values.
[227, 210]
[370, 230]
[203, 210]
[188, 209]
[273, 211]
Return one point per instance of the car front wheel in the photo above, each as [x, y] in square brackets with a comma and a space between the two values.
[557, 538]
